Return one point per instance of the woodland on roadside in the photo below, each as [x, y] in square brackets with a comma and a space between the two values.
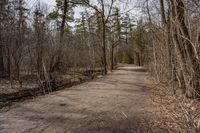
[43, 47]
[39, 45]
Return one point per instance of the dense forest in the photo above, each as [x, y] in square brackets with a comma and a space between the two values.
[40, 43]
[36, 41]
[43, 46]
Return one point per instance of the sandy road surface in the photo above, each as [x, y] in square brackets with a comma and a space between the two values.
[113, 104]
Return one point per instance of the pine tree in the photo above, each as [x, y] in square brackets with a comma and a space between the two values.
[64, 12]
[137, 37]
[116, 30]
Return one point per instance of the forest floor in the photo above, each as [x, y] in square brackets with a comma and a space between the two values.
[116, 103]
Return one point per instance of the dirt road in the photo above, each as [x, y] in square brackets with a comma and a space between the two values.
[113, 104]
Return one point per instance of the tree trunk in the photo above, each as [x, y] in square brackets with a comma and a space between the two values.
[162, 12]
[112, 57]
[9, 61]
[62, 29]
[39, 64]
[166, 34]
[139, 59]
[1, 62]
[104, 47]
[18, 71]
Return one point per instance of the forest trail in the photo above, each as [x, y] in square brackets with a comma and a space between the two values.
[113, 104]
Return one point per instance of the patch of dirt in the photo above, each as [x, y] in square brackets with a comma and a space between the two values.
[117, 103]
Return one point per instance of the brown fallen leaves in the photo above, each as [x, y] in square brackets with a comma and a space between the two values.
[173, 111]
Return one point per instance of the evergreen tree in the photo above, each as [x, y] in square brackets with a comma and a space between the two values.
[64, 11]
[116, 35]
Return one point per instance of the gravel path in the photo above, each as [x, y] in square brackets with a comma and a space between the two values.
[113, 104]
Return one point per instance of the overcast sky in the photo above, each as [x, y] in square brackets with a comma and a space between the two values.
[123, 7]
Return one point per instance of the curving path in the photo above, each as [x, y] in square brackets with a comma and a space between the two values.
[113, 104]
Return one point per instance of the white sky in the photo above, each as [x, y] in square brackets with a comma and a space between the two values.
[124, 7]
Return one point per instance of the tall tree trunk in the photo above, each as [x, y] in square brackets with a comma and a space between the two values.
[165, 19]
[112, 57]
[1, 54]
[9, 59]
[39, 62]
[1, 61]
[62, 30]
[1, 41]
[162, 12]
[104, 47]
[139, 59]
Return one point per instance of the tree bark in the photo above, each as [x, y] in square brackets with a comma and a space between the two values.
[62, 30]
[112, 57]
[1, 61]
[104, 47]
[104, 36]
